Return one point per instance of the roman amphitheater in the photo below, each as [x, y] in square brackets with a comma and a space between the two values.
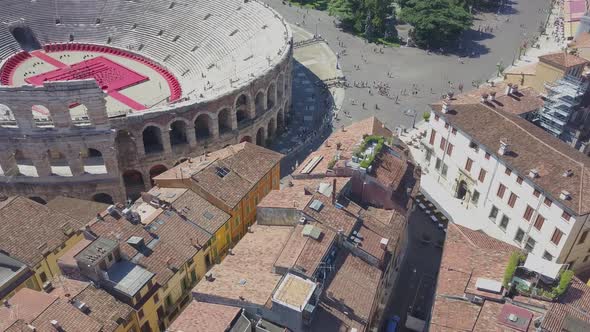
[99, 96]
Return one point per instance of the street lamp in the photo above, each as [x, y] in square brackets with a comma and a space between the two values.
[413, 113]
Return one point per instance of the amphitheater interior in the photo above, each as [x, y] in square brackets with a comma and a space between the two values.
[99, 96]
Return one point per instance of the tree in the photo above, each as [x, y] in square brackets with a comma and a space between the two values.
[436, 22]
[369, 29]
[390, 30]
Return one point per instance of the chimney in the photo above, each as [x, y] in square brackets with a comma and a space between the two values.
[568, 173]
[565, 195]
[533, 173]
[55, 324]
[333, 191]
[492, 96]
[504, 147]
[446, 106]
[484, 98]
[514, 89]
[6, 303]
[383, 243]
[509, 89]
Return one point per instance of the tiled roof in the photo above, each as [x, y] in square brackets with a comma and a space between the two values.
[199, 211]
[351, 289]
[25, 305]
[286, 198]
[104, 308]
[575, 303]
[371, 243]
[314, 250]
[201, 316]
[562, 60]
[330, 216]
[389, 169]
[389, 224]
[68, 317]
[27, 227]
[531, 148]
[121, 230]
[247, 273]
[79, 209]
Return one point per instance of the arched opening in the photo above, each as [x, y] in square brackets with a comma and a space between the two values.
[152, 140]
[79, 114]
[462, 189]
[242, 116]
[41, 116]
[7, 119]
[271, 96]
[202, 129]
[25, 37]
[246, 139]
[125, 143]
[59, 163]
[155, 171]
[103, 198]
[178, 133]
[38, 200]
[280, 87]
[224, 121]
[260, 137]
[24, 164]
[93, 161]
[259, 102]
[280, 119]
[242, 105]
[134, 185]
[271, 128]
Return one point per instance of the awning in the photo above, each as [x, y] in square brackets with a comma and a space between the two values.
[542, 266]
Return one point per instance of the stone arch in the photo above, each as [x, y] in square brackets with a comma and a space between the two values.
[224, 121]
[271, 95]
[246, 139]
[78, 114]
[280, 87]
[271, 128]
[41, 116]
[260, 136]
[155, 171]
[178, 132]
[125, 143]
[152, 139]
[203, 126]
[59, 163]
[133, 180]
[93, 161]
[242, 107]
[259, 102]
[7, 119]
[24, 164]
[103, 198]
[38, 199]
[280, 119]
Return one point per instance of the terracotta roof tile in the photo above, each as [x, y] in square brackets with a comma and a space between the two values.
[79, 209]
[104, 308]
[562, 60]
[68, 317]
[330, 216]
[204, 317]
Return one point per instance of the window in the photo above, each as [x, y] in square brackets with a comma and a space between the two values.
[443, 143]
[519, 235]
[512, 199]
[519, 180]
[438, 162]
[547, 256]
[432, 136]
[556, 237]
[507, 171]
[571, 264]
[454, 131]
[547, 201]
[43, 277]
[482, 175]
[137, 297]
[539, 222]
[487, 156]
[443, 170]
[428, 155]
[475, 197]
[536, 193]
[446, 125]
[473, 145]
[501, 190]
[468, 165]
[156, 298]
[493, 213]
[140, 313]
[530, 244]
[528, 213]
[450, 149]
[583, 237]
[566, 216]
[150, 284]
[504, 222]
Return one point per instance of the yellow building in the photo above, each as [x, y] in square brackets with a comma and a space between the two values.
[234, 180]
[550, 68]
[36, 236]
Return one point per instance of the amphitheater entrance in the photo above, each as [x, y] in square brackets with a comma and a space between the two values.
[224, 121]
[155, 171]
[125, 143]
[260, 137]
[242, 112]
[259, 102]
[178, 133]
[103, 198]
[272, 126]
[25, 37]
[134, 185]
[152, 140]
[202, 129]
[93, 162]
[38, 200]
[246, 139]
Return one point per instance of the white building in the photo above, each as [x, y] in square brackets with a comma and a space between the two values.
[490, 169]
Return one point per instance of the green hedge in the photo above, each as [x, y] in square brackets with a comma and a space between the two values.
[370, 139]
[515, 259]
[564, 281]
